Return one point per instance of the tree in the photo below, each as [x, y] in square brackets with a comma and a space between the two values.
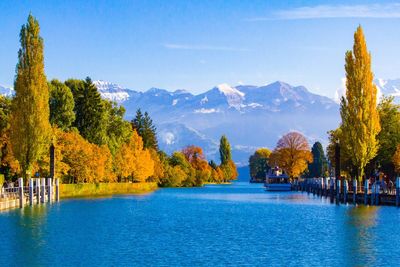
[195, 156]
[61, 105]
[319, 165]
[389, 136]
[360, 119]
[91, 116]
[119, 131]
[30, 127]
[292, 154]
[258, 163]
[224, 150]
[146, 129]
[396, 159]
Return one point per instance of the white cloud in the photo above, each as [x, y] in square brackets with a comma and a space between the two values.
[389, 10]
[204, 47]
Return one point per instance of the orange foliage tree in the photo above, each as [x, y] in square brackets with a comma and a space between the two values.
[196, 158]
[131, 160]
[396, 159]
[292, 154]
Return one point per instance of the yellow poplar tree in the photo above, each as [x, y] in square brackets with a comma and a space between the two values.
[30, 127]
[360, 118]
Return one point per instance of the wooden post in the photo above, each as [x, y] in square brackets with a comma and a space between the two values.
[31, 191]
[332, 184]
[398, 191]
[49, 189]
[366, 192]
[337, 191]
[345, 191]
[42, 190]
[57, 189]
[21, 192]
[37, 190]
[355, 191]
[377, 189]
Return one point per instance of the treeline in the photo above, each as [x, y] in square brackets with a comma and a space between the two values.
[93, 142]
[292, 154]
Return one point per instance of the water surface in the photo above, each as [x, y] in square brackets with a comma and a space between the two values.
[234, 225]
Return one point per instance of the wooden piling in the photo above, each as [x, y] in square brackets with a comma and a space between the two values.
[42, 190]
[30, 191]
[355, 191]
[49, 189]
[345, 191]
[21, 192]
[366, 192]
[57, 189]
[37, 190]
[398, 191]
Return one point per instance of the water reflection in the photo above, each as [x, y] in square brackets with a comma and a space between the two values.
[360, 233]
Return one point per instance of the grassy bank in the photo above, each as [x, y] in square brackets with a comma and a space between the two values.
[104, 189]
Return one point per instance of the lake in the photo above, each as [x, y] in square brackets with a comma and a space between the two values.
[217, 225]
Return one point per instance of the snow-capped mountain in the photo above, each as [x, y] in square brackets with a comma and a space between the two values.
[6, 91]
[251, 116]
[389, 88]
[112, 91]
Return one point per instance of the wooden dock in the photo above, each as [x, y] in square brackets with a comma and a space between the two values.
[339, 191]
[39, 190]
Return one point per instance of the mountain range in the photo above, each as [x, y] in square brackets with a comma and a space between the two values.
[250, 116]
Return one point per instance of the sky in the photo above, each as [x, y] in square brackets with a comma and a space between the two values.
[195, 45]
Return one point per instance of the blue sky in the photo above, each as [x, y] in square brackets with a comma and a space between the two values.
[195, 45]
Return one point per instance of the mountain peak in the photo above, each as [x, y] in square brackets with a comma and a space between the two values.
[227, 90]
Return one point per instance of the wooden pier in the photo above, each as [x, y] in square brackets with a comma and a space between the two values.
[339, 191]
[39, 190]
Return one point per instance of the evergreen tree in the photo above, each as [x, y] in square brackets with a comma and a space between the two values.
[224, 150]
[61, 105]
[143, 124]
[319, 165]
[360, 118]
[30, 127]
[90, 112]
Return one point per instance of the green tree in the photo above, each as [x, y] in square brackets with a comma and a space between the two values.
[143, 124]
[360, 118]
[224, 150]
[61, 105]
[90, 112]
[389, 136]
[258, 163]
[5, 110]
[319, 165]
[30, 127]
[119, 131]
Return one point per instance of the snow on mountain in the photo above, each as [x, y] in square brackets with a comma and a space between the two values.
[6, 91]
[112, 91]
[389, 88]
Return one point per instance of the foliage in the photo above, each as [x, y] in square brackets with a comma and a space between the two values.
[360, 118]
[292, 154]
[90, 112]
[389, 136]
[5, 110]
[258, 163]
[86, 162]
[224, 150]
[319, 165]
[396, 159]
[30, 127]
[119, 131]
[61, 105]
[131, 160]
[143, 124]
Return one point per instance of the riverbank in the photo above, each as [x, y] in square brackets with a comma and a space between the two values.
[105, 189]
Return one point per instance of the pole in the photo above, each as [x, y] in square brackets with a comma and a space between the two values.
[37, 190]
[21, 192]
[30, 191]
[398, 191]
[49, 189]
[366, 192]
[57, 189]
[337, 191]
[345, 191]
[355, 191]
[42, 190]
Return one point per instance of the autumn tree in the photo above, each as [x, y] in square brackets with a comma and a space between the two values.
[61, 105]
[396, 159]
[30, 127]
[292, 154]
[258, 163]
[360, 119]
[319, 165]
